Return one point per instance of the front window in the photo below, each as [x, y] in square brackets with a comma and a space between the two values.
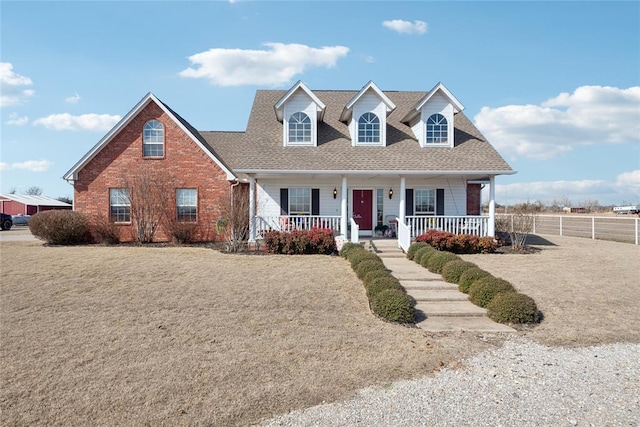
[425, 201]
[119, 205]
[187, 204]
[153, 139]
[368, 128]
[299, 128]
[299, 201]
[437, 129]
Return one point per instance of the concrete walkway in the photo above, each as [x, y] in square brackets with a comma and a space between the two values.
[440, 306]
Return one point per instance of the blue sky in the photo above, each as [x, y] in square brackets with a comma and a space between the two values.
[555, 86]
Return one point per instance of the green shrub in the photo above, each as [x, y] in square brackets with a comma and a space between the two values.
[436, 261]
[367, 266]
[513, 307]
[348, 247]
[485, 289]
[60, 227]
[452, 270]
[382, 283]
[469, 276]
[394, 305]
[458, 243]
[356, 257]
[423, 255]
[413, 249]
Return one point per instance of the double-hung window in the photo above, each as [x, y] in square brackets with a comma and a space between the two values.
[187, 204]
[368, 129]
[153, 139]
[299, 128]
[299, 201]
[425, 201]
[437, 129]
[119, 205]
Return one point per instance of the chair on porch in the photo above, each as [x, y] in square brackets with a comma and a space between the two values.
[392, 223]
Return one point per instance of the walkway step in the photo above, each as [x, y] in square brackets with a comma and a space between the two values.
[468, 324]
[437, 295]
[428, 284]
[450, 309]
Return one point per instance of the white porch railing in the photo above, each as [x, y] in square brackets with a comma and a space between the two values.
[355, 231]
[404, 236]
[295, 222]
[476, 225]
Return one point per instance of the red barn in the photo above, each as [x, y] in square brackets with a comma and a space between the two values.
[16, 204]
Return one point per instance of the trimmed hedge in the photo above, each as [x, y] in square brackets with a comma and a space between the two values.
[414, 248]
[452, 270]
[423, 255]
[60, 227]
[349, 247]
[394, 305]
[513, 307]
[458, 243]
[367, 266]
[469, 276]
[382, 284]
[301, 242]
[485, 289]
[356, 257]
[436, 262]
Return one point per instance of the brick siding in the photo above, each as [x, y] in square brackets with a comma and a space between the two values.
[184, 161]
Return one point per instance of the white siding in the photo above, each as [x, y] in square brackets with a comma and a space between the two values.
[455, 192]
[269, 195]
[300, 101]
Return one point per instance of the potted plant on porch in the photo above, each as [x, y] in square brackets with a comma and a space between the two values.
[381, 229]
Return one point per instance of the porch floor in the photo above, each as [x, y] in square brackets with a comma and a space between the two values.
[440, 306]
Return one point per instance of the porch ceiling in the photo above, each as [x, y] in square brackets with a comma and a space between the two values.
[327, 176]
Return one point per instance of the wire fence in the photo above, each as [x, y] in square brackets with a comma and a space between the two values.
[616, 228]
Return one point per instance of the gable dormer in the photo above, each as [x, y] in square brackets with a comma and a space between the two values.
[432, 117]
[299, 110]
[366, 116]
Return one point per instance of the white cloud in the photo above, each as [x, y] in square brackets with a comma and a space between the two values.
[12, 89]
[29, 165]
[90, 122]
[72, 99]
[16, 120]
[275, 66]
[591, 115]
[406, 27]
[625, 188]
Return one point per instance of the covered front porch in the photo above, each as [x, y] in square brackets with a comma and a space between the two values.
[364, 205]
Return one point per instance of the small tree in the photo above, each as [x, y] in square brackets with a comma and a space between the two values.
[518, 225]
[148, 190]
[233, 225]
[33, 191]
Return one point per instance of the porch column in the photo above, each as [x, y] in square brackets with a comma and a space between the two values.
[403, 201]
[252, 209]
[343, 208]
[492, 207]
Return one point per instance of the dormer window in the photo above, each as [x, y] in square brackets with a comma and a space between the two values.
[299, 128]
[437, 129]
[153, 139]
[369, 129]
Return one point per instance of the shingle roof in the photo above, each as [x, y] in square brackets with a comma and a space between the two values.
[261, 148]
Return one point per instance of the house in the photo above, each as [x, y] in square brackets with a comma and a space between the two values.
[349, 160]
[18, 204]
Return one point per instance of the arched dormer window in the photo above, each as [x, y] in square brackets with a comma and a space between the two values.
[368, 128]
[299, 128]
[437, 129]
[153, 139]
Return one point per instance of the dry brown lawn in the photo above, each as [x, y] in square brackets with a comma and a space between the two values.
[100, 335]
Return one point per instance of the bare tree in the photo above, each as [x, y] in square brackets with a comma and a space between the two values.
[517, 225]
[33, 191]
[233, 225]
[148, 192]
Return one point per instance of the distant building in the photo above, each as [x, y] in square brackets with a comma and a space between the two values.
[16, 204]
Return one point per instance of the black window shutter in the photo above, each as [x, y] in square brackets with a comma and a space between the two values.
[315, 201]
[284, 201]
[409, 201]
[439, 201]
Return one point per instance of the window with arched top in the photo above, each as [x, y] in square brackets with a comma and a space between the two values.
[153, 139]
[437, 129]
[299, 128]
[368, 128]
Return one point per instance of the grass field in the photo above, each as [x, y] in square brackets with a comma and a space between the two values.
[100, 335]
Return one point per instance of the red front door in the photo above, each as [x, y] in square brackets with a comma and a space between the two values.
[363, 208]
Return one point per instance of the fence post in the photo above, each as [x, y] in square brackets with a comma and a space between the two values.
[593, 228]
[561, 226]
[636, 231]
[534, 224]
